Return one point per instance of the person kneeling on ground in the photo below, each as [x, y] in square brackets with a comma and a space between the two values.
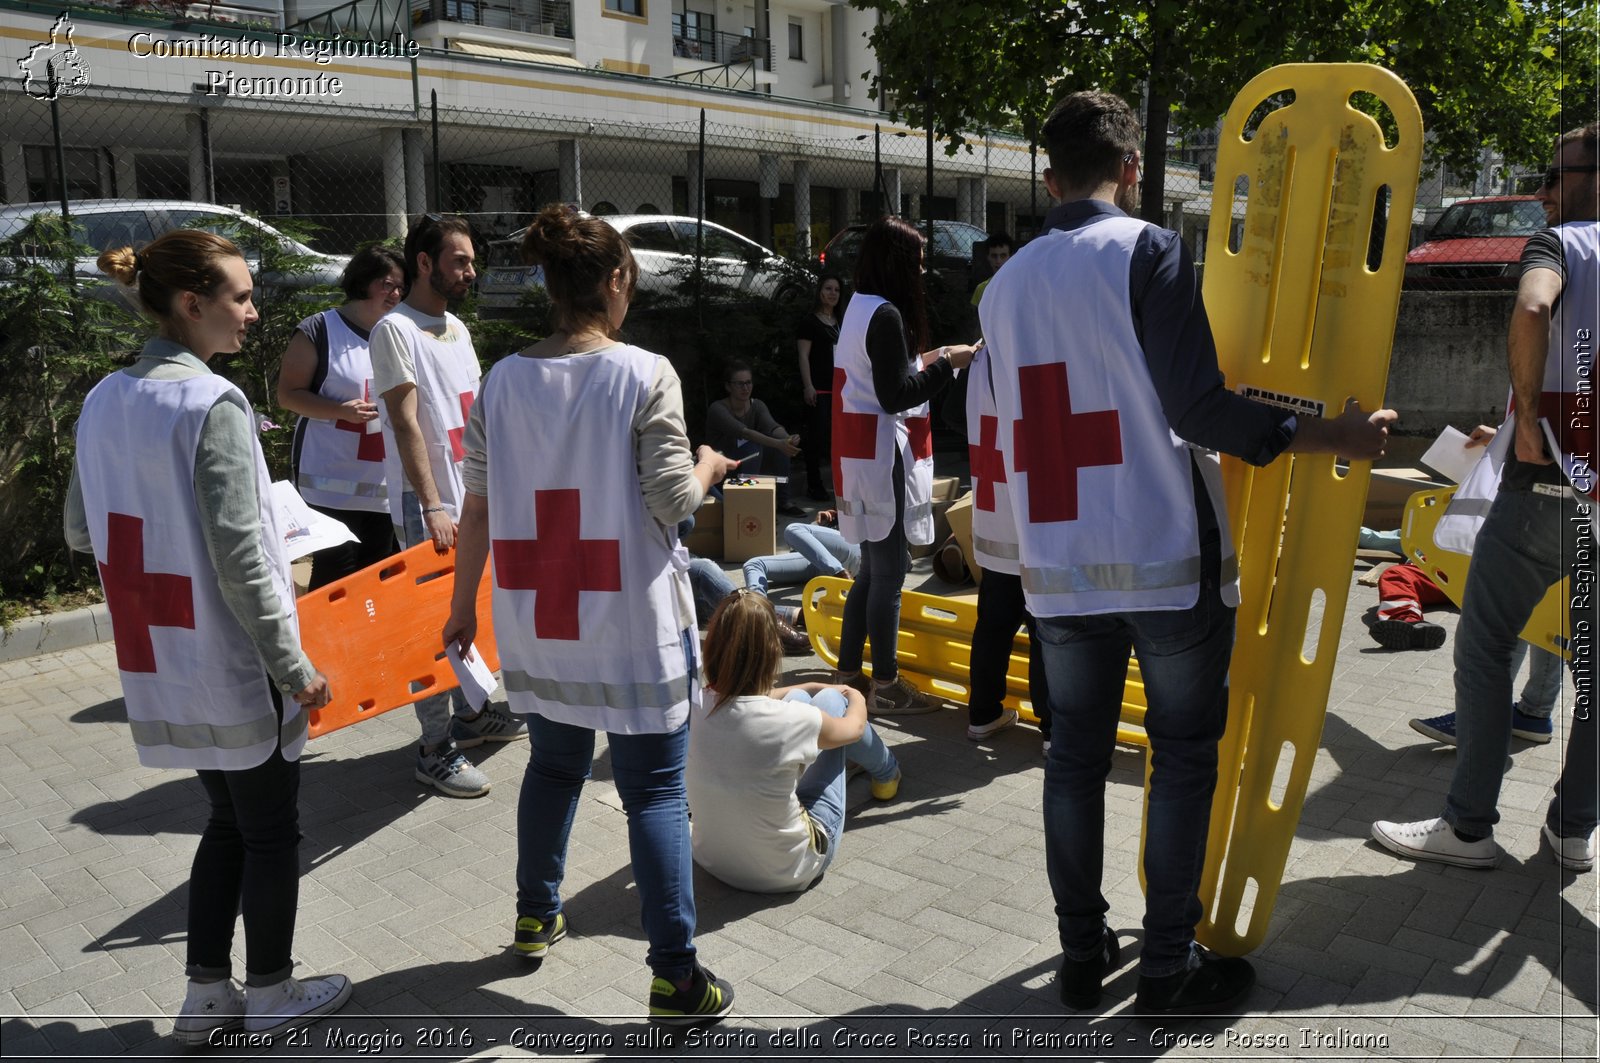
[766, 773]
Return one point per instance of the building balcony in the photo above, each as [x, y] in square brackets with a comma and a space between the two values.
[545, 18]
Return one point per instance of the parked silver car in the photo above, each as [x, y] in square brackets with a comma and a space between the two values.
[664, 247]
[105, 223]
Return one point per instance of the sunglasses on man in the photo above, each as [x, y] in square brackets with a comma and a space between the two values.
[1552, 175]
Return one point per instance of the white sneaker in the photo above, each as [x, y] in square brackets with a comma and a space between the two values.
[1436, 841]
[293, 1003]
[207, 1008]
[978, 732]
[1574, 854]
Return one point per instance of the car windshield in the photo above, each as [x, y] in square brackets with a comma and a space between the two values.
[955, 240]
[93, 232]
[1506, 217]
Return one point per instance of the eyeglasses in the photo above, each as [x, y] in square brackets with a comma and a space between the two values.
[388, 286]
[1552, 175]
[742, 383]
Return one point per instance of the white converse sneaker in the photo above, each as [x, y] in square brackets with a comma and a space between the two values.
[1574, 854]
[1434, 840]
[207, 1008]
[293, 1003]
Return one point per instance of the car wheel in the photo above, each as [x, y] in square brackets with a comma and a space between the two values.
[789, 296]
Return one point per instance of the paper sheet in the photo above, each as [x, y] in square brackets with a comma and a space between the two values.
[477, 682]
[1450, 457]
[305, 531]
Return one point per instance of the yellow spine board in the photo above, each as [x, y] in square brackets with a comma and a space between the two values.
[1296, 314]
[935, 649]
[1547, 628]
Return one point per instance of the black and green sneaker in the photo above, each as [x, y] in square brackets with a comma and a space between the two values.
[707, 999]
[534, 938]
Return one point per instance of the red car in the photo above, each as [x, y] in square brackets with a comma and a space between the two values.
[1475, 244]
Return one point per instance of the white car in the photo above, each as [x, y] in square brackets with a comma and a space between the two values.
[100, 224]
[664, 247]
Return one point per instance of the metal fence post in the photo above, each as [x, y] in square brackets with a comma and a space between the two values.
[438, 187]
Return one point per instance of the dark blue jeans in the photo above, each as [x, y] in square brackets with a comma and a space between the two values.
[648, 771]
[247, 863]
[872, 608]
[1183, 658]
[1001, 608]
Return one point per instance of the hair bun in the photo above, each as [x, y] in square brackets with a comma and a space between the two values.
[553, 236]
[120, 264]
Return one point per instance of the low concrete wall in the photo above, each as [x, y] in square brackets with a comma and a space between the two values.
[1448, 365]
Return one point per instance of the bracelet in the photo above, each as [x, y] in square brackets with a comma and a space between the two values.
[433, 509]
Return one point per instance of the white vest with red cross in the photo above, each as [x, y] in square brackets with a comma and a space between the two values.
[196, 689]
[1566, 403]
[866, 439]
[994, 530]
[447, 384]
[339, 465]
[586, 581]
[1102, 491]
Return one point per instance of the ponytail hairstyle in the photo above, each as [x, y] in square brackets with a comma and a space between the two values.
[578, 253]
[182, 260]
[742, 650]
[890, 267]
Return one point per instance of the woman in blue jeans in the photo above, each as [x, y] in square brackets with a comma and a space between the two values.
[594, 621]
[767, 766]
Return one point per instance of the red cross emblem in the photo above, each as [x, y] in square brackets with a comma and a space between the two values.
[139, 600]
[557, 565]
[855, 435]
[1054, 443]
[457, 451]
[920, 429]
[371, 446]
[987, 463]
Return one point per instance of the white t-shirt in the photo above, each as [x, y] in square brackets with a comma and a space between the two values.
[744, 763]
[394, 362]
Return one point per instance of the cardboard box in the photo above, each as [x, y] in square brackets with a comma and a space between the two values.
[749, 522]
[959, 517]
[944, 494]
[706, 538]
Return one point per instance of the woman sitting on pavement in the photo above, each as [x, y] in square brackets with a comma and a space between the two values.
[767, 766]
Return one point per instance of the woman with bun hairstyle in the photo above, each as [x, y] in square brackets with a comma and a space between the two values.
[326, 378]
[767, 766]
[577, 472]
[170, 494]
[883, 450]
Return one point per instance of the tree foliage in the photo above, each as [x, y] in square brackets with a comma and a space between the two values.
[1499, 74]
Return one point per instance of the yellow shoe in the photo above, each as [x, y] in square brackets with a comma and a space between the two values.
[885, 790]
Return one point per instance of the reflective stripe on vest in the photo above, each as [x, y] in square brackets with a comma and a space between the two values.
[1122, 577]
[582, 694]
[995, 548]
[344, 487]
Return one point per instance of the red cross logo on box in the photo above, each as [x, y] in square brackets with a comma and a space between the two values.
[558, 565]
[457, 451]
[1052, 443]
[139, 600]
[855, 435]
[987, 463]
[371, 446]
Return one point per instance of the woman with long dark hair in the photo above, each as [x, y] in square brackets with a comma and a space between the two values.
[326, 378]
[883, 450]
[577, 471]
[170, 494]
[815, 339]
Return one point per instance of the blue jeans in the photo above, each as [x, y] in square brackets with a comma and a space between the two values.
[648, 772]
[1527, 543]
[1183, 657]
[822, 786]
[872, 608]
[433, 713]
[1543, 685]
[817, 551]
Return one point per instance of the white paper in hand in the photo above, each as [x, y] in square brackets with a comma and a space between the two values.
[305, 531]
[477, 682]
[1450, 456]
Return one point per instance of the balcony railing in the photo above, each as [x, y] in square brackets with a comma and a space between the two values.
[552, 18]
[364, 20]
[726, 49]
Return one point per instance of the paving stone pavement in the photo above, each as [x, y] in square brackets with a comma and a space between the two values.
[932, 935]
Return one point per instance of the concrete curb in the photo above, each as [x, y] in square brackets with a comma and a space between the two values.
[55, 632]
